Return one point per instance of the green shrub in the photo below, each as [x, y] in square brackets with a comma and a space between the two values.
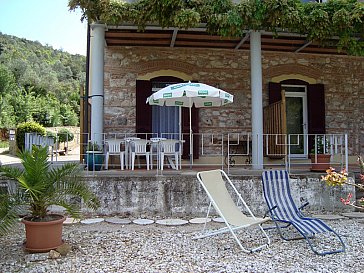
[52, 135]
[65, 135]
[27, 127]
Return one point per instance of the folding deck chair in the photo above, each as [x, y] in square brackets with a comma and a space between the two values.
[282, 209]
[214, 185]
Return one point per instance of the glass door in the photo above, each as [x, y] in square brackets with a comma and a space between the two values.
[296, 119]
[165, 119]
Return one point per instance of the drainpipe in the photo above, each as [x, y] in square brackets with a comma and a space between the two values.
[84, 101]
[257, 99]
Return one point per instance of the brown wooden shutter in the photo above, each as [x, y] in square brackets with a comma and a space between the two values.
[143, 110]
[316, 109]
[274, 120]
[274, 92]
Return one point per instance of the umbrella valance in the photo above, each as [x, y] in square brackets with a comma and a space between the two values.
[189, 94]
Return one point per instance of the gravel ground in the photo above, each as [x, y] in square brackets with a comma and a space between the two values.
[105, 247]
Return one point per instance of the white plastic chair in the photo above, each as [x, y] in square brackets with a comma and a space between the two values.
[128, 150]
[155, 150]
[138, 148]
[114, 149]
[168, 148]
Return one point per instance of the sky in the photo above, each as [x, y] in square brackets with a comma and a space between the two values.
[46, 21]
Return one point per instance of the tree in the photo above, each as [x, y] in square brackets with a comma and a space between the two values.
[38, 83]
[7, 85]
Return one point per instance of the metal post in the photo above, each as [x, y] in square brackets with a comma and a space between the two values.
[257, 99]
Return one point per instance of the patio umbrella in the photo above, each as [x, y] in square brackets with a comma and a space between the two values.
[189, 94]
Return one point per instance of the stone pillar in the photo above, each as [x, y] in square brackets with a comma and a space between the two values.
[257, 99]
[96, 84]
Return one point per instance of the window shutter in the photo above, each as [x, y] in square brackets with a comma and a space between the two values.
[316, 109]
[143, 110]
[274, 92]
[274, 119]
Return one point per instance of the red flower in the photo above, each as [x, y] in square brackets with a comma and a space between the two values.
[361, 176]
[347, 200]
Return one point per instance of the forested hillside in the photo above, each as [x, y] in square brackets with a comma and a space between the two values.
[38, 83]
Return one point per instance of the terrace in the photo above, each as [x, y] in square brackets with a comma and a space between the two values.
[167, 192]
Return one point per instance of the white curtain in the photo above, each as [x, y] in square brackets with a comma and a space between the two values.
[165, 121]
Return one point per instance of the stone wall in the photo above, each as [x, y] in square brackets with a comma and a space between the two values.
[343, 77]
[181, 196]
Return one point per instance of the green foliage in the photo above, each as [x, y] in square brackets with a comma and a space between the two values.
[342, 18]
[27, 127]
[38, 83]
[52, 135]
[68, 115]
[4, 144]
[65, 135]
[7, 85]
[321, 145]
[39, 186]
[93, 146]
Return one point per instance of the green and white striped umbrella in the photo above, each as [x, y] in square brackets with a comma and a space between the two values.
[189, 94]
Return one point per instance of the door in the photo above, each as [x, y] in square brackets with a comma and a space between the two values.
[165, 119]
[296, 119]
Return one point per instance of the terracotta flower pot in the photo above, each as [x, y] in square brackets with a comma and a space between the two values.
[321, 164]
[43, 236]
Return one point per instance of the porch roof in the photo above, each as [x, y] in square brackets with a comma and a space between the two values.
[156, 36]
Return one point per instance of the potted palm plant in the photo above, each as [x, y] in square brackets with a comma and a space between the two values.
[37, 186]
[320, 156]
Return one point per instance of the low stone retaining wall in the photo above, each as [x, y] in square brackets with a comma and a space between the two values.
[182, 195]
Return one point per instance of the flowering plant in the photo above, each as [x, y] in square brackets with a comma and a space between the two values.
[334, 178]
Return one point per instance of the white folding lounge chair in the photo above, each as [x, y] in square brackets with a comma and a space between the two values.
[214, 185]
[282, 209]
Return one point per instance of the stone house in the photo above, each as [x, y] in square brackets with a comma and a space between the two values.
[323, 89]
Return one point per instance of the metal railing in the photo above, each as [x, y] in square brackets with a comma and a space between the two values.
[230, 151]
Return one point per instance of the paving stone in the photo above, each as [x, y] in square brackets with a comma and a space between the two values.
[329, 216]
[172, 222]
[218, 219]
[200, 220]
[92, 221]
[353, 214]
[70, 221]
[143, 221]
[116, 220]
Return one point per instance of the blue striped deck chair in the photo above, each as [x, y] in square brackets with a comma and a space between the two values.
[215, 184]
[284, 212]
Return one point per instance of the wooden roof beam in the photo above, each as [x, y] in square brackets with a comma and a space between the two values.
[246, 37]
[174, 36]
[307, 43]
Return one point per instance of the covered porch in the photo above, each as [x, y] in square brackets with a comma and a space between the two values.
[282, 74]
